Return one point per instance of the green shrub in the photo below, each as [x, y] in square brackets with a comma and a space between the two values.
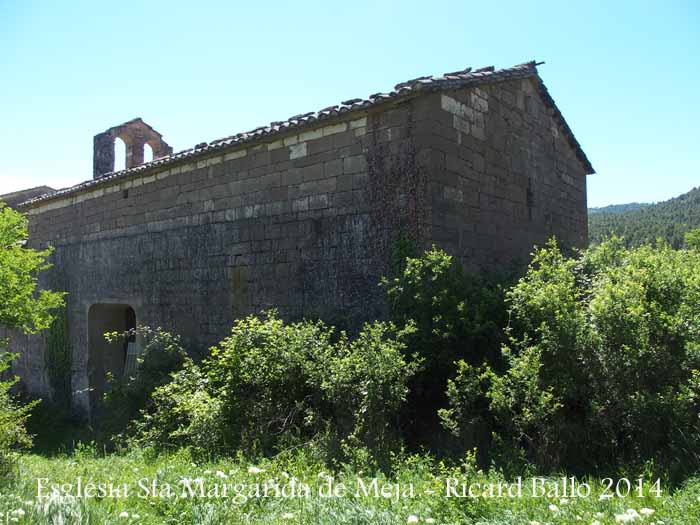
[126, 396]
[365, 384]
[692, 239]
[457, 316]
[270, 386]
[602, 362]
[183, 414]
[13, 416]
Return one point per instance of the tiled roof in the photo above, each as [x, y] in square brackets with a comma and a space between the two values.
[16, 198]
[458, 79]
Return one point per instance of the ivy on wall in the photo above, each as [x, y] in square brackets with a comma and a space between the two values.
[58, 359]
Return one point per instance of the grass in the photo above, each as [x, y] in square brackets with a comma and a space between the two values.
[416, 491]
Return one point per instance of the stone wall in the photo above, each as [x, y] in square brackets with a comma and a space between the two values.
[305, 223]
[504, 176]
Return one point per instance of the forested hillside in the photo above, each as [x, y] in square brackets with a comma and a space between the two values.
[639, 223]
[618, 208]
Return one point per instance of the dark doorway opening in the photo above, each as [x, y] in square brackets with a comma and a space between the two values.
[105, 358]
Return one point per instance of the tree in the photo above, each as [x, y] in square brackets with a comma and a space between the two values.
[21, 306]
[640, 224]
[692, 239]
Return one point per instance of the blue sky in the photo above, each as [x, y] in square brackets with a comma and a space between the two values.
[626, 75]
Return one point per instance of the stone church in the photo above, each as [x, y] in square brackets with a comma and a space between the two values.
[302, 215]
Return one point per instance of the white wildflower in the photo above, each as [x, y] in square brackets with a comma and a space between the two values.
[221, 474]
[646, 512]
[255, 470]
[207, 472]
[629, 516]
[599, 515]
[533, 522]
[553, 507]
[595, 522]
[124, 514]
[136, 516]
[412, 519]
[18, 512]
[430, 520]
[563, 501]
[287, 516]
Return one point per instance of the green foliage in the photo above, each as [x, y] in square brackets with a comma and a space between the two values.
[23, 308]
[13, 416]
[162, 356]
[603, 358]
[457, 316]
[404, 248]
[270, 386]
[640, 224]
[692, 239]
[618, 208]
[367, 386]
[58, 358]
[20, 304]
[427, 476]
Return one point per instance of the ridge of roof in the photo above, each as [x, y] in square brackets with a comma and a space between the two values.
[132, 121]
[44, 188]
[454, 80]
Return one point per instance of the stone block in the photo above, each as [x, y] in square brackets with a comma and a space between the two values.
[297, 151]
[311, 135]
[333, 168]
[313, 172]
[354, 164]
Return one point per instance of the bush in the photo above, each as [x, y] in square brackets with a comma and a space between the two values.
[692, 239]
[126, 396]
[13, 416]
[457, 316]
[271, 386]
[602, 362]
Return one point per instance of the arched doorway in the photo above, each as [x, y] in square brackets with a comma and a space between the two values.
[105, 358]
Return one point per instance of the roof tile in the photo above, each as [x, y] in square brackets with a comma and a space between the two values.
[463, 78]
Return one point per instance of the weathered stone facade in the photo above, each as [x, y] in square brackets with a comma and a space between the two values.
[302, 217]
